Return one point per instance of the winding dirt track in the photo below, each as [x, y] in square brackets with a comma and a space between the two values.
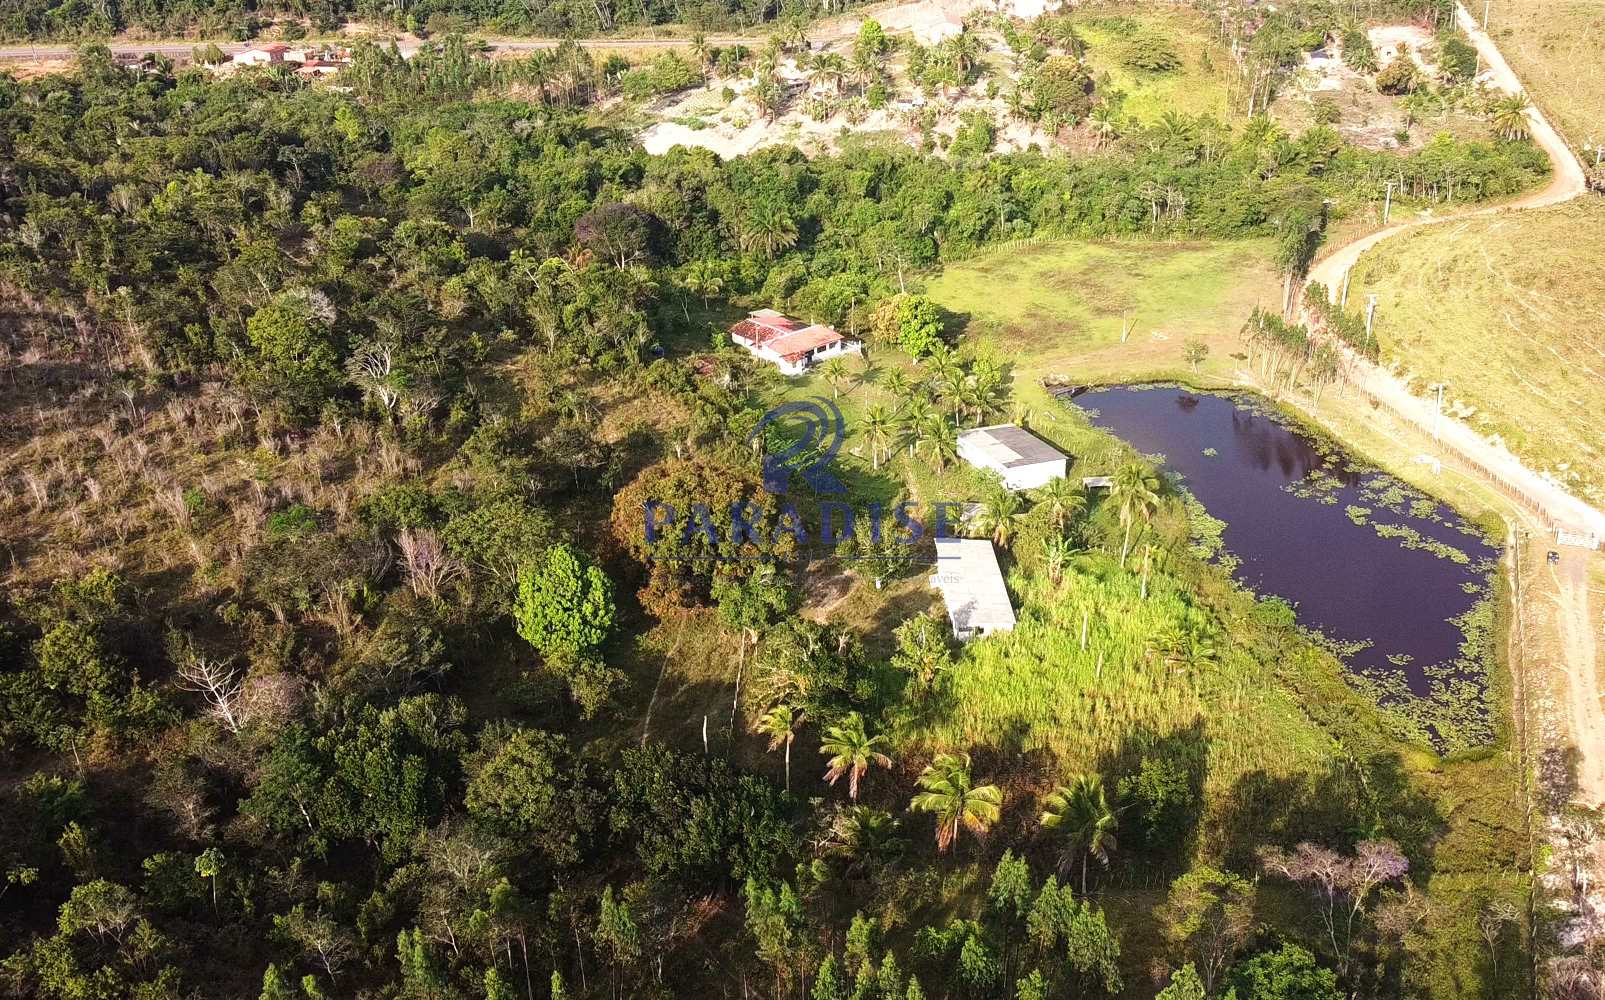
[1575, 619]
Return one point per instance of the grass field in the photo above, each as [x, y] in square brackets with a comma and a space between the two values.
[1198, 87]
[1059, 308]
[1511, 312]
[1553, 45]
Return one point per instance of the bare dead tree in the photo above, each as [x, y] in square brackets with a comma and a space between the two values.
[429, 566]
[219, 684]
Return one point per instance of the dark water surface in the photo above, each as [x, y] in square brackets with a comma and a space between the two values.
[1344, 579]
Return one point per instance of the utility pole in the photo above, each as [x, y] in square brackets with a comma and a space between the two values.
[1343, 300]
[1387, 205]
[1437, 416]
[1370, 316]
[1487, 5]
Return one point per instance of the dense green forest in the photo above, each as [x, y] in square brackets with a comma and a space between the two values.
[83, 19]
[332, 658]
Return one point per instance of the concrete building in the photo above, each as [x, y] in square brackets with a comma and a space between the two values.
[1024, 460]
[789, 344]
[971, 583]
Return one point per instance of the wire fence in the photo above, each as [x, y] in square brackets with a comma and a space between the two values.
[1510, 490]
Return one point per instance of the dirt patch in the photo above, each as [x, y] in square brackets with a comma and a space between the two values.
[823, 591]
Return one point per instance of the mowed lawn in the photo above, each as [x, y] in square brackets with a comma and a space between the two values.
[1059, 308]
[1511, 312]
[1553, 45]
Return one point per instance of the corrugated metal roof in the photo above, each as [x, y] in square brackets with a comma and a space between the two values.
[1009, 446]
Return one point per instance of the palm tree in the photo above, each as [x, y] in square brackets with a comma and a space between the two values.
[1136, 489]
[702, 51]
[1060, 500]
[866, 67]
[958, 804]
[864, 837]
[947, 374]
[965, 50]
[834, 371]
[1080, 813]
[913, 420]
[878, 429]
[704, 278]
[851, 751]
[897, 383]
[780, 724]
[1509, 117]
[942, 438]
[1105, 123]
[829, 69]
[768, 226]
[1056, 555]
[1001, 510]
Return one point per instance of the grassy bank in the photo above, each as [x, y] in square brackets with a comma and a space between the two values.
[1553, 45]
[1507, 311]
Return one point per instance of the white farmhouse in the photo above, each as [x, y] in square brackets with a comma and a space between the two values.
[1024, 460]
[264, 55]
[971, 583]
[789, 344]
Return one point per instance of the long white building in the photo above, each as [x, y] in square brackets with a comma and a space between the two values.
[971, 582]
[1024, 460]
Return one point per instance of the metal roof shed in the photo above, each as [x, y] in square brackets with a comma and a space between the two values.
[971, 582]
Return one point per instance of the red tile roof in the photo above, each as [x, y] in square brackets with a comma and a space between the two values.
[794, 345]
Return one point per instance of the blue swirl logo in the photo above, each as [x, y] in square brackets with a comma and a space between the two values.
[822, 434]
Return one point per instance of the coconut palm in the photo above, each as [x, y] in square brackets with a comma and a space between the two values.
[1001, 511]
[866, 65]
[864, 837]
[702, 51]
[1079, 813]
[948, 792]
[914, 421]
[780, 724]
[1136, 489]
[1509, 117]
[942, 440]
[767, 226]
[1105, 123]
[851, 751]
[834, 371]
[1060, 500]
[704, 278]
[878, 430]
[829, 69]
[964, 49]
[898, 384]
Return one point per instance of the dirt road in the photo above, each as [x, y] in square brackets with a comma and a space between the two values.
[1575, 616]
[1568, 182]
[1575, 620]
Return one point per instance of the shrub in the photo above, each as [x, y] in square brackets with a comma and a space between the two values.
[1457, 58]
[1150, 52]
[1399, 77]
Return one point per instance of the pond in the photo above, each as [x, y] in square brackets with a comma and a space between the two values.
[1387, 572]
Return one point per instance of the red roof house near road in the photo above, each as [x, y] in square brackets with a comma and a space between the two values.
[789, 344]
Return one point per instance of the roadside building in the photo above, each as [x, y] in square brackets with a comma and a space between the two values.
[1024, 460]
[789, 344]
[262, 55]
[971, 582]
